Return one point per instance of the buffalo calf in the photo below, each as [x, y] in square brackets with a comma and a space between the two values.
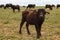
[33, 17]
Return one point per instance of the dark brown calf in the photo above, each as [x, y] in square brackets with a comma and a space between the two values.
[33, 17]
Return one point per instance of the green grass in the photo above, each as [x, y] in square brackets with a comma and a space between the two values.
[10, 23]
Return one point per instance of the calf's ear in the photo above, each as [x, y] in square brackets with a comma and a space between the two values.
[36, 10]
[48, 12]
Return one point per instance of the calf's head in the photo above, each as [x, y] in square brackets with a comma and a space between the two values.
[41, 12]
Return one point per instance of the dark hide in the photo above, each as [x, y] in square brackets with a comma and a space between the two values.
[33, 17]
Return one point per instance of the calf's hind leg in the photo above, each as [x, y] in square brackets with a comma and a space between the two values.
[27, 25]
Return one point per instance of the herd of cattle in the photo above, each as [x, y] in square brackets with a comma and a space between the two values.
[13, 7]
[29, 6]
[51, 6]
[31, 17]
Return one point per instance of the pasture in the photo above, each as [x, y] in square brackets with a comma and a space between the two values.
[10, 23]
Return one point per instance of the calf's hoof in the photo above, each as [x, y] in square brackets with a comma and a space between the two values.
[20, 32]
[29, 34]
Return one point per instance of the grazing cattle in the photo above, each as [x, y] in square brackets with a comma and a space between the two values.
[2, 5]
[31, 6]
[33, 17]
[24, 6]
[7, 6]
[48, 6]
[58, 5]
[15, 7]
[53, 5]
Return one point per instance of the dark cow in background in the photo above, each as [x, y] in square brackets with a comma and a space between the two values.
[24, 6]
[7, 6]
[2, 5]
[48, 6]
[33, 17]
[58, 5]
[31, 6]
[53, 5]
[15, 7]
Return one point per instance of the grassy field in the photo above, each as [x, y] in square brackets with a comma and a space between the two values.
[9, 26]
